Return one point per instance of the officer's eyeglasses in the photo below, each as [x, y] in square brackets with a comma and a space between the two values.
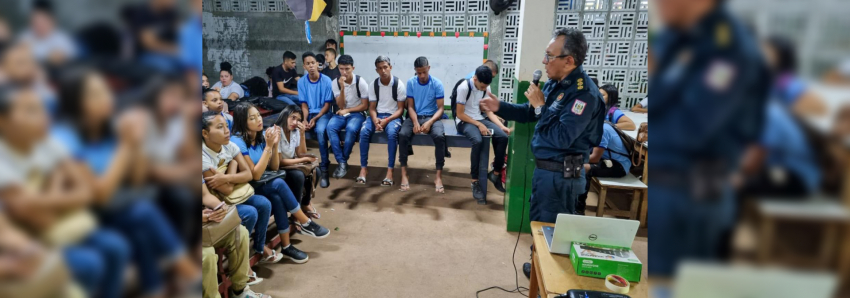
[547, 58]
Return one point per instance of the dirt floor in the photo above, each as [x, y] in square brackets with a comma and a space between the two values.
[387, 243]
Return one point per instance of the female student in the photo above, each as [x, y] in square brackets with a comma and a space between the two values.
[216, 149]
[116, 167]
[97, 259]
[248, 135]
[293, 151]
[613, 114]
[228, 88]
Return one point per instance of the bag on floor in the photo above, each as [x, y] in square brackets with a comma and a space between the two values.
[214, 232]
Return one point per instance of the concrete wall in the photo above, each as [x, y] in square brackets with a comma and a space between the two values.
[252, 41]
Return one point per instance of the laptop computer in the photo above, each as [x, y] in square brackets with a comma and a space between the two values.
[571, 228]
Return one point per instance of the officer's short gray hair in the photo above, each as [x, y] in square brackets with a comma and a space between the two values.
[575, 44]
[382, 58]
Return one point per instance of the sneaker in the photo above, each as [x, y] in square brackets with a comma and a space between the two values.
[497, 181]
[341, 170]
[315, 230]
[248, 293]
[478, 194]
[324, 183]
[526, 269]
[295, 254]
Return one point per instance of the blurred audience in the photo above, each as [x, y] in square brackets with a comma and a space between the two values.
[48, 43]
[228, 88]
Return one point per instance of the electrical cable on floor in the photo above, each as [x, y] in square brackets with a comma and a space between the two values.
[518, 289]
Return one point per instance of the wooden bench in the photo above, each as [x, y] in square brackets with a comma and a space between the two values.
[453, 139]
[830, 213]
[629, 182]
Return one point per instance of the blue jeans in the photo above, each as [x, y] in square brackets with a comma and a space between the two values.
[366, 136]
[98, 263]
[152, 238]
[288, 99]
[282, 201]
[352, 123]
[255, 213]
[321, 135]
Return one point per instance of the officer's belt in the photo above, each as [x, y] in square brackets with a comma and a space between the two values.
[550, 165]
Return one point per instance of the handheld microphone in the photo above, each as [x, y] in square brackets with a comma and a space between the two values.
[536, 77]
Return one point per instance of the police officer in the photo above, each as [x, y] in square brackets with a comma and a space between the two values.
[569, 114]
[708, 90]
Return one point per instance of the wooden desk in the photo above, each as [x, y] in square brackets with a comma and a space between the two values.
[553, 274]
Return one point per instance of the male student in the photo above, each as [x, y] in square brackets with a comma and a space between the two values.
[424, 109]
[315, 95]
[351, 94]
[332, 70]
[285, 80]
[472, 124]
[642, 106]
[609, 159]
[386, 104]
[213, 102]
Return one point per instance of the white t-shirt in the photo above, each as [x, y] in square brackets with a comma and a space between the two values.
[18, 168]
[162, 144]
[287, 149]
[233, 88]
[471, 107]
[57, 41]
[351, 99]
[211, 159]
[387, 105]
[645, 102]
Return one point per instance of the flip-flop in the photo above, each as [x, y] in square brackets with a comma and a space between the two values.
[255, 280]
[360, 180]
[313, 213]
[274, 258]
[387, 182]
[405, 187]
[440, 189]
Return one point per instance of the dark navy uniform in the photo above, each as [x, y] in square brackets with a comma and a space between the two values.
[709, 90]
[568, 125]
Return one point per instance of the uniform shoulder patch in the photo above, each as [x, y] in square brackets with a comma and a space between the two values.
[578, 107]
[560, 97]
[720, 75]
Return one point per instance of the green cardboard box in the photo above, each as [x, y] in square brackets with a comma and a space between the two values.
[595, 260]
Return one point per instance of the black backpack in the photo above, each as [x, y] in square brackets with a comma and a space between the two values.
[378, 91]
[630, 153]
[454, 96]
[257, 86]
[500, 5]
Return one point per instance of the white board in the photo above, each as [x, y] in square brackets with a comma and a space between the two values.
[450, 58]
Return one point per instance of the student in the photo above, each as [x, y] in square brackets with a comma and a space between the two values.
[351, 93]
[228, 88]
[217, 150]
[116, 167]
[642, 106]
[48, 44]
[97, 261]
[205, 81]
[613, 114]
[494, 69]
[609, 159]
[472, 124]
[235, 245]
[316, 95]
[293, 151]
[424, 109]
[213, 102]
[331, 44]
[320, 59]
[261, 149]
[285, 80]
[781, 56]
[386, 105]
[332, 70]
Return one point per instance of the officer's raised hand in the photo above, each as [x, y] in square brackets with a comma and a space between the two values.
[535, 96]
[489, 104]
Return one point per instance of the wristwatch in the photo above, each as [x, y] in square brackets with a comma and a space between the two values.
[538, 110]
